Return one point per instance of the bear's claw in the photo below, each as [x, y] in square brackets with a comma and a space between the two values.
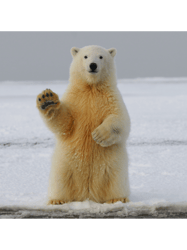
[55, 202]
[123, 200]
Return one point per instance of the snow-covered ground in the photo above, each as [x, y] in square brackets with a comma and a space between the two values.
[157, 145]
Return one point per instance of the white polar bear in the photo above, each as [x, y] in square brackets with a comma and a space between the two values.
[91, 125]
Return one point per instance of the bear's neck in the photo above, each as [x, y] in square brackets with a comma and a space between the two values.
[80, 85]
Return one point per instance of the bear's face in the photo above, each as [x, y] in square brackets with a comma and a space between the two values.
[92, 64]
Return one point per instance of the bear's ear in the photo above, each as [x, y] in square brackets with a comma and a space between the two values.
[74, 51]
[112, 52]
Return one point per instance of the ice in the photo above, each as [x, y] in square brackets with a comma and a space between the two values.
[157, 145]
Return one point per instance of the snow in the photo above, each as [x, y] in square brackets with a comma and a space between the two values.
[157, 145]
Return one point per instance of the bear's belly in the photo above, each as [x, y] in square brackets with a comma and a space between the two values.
[85, 156]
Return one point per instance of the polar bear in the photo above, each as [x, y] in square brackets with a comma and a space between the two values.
[91, 125]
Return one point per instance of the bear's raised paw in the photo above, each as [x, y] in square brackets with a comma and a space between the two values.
[47, 99]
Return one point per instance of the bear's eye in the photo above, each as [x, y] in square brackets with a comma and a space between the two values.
[85, 57]
[101, 57]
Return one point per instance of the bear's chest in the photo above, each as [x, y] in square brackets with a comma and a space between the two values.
[91, 108]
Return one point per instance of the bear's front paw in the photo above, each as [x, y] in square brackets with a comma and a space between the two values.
[47, 99]
[104, 136]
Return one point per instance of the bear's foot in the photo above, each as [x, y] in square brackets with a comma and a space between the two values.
[124, 200]
[47, 99]
[55, 202]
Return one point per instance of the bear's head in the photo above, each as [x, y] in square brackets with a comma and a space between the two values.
[92, 64]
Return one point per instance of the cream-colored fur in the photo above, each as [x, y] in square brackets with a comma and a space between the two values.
[91, 125]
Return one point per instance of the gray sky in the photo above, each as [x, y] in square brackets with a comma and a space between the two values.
[46, 55]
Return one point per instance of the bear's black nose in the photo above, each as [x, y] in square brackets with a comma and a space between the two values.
[93, 66]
